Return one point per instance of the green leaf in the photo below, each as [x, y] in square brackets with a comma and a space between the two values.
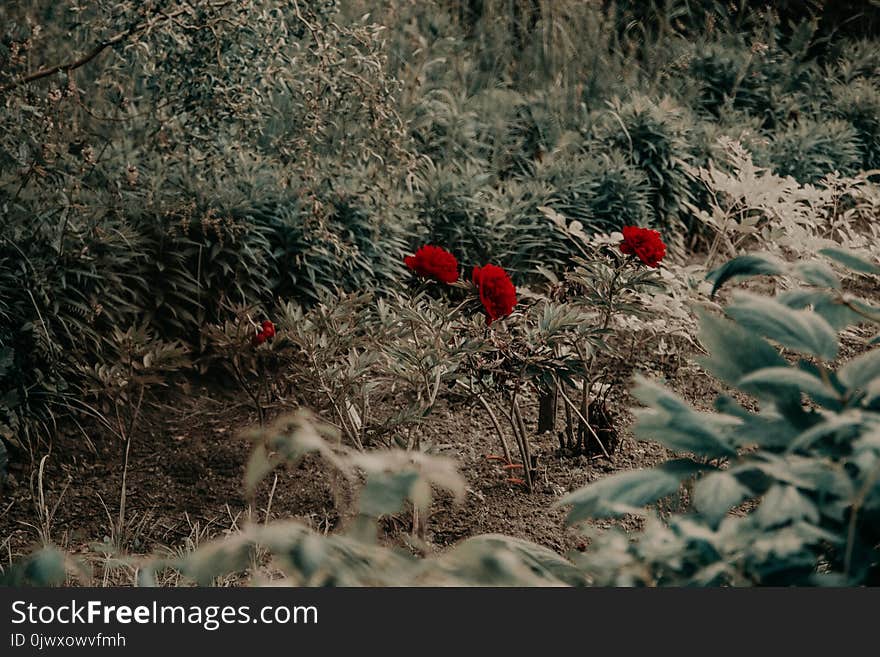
[386, 492]
[717, 493]
[621, 493]
[800, 330]
[540, 564]
[733, 351]
[744, 266]
[819, 431]
[851, 261]
[46, 566]
[859, 372]
[674, 424]
[818, 274]
[837, 314]
[783, 504]
[789, 376]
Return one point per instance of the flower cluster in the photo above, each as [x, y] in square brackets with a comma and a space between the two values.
[494, 287]
[496, 290]
[266, 332]
[643, 243]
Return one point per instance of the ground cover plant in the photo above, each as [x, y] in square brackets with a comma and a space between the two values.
[417, 293]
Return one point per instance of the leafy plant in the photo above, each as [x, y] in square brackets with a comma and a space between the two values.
[651, 136]
[811, 150]
[858, 102]
[785, 494]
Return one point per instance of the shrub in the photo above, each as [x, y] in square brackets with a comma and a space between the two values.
[64, 285]
[801, 473]
[764, 77]
[199, 263]
[812, 149]
[337, 241]
[727, 77]
[617, 193]
[652, 137]
[858, 103]
[451, 214]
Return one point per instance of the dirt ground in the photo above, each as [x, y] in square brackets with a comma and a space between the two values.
[186, 470]
[187, 464]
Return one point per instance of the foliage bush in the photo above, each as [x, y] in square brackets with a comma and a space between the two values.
[801, 474]
[652, 137]
[811, 149]
[858, 102]
[451, 212]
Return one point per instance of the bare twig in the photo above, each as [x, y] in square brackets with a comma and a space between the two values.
[135, 28]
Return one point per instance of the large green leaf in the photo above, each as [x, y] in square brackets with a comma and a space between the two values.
[386, 492]
[628, 491]
[745, 266]
[829, 306]
[671, 422]
[783, 504]
[829, 427]
[717, 493]
[735, 353]
[851, 261]
[800, 330]
[858, 373]
[789, 376]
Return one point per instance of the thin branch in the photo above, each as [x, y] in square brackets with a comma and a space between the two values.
[100, 47]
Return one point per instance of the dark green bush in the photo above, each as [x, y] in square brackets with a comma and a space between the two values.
[337, 242]
[858, 103]
[451, 214]
[812, 149]
[652, 136]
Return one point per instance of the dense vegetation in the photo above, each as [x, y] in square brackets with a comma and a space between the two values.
[174, 175]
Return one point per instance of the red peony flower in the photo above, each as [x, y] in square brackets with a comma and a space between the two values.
[435, 263]
[266, 332]
[496, 291]
[643, 243]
